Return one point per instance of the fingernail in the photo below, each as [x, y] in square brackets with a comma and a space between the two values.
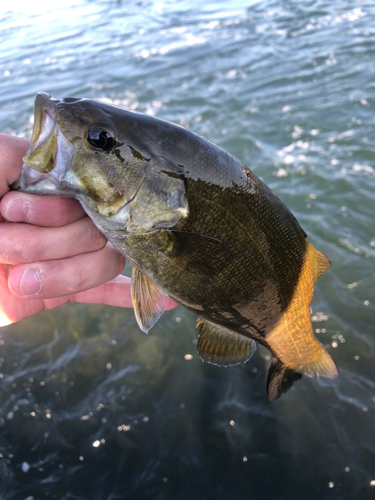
[16, 210]
[30, 283]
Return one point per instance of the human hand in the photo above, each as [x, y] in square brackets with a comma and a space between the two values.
[50, 251]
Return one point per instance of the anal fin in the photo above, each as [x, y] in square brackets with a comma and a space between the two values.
[148, 302]
[220, 346]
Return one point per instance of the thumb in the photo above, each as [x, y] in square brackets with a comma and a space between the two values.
[12, 149]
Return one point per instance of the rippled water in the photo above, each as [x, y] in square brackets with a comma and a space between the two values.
[90, 407]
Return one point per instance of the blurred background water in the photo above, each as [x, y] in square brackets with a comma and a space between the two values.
[90, 407]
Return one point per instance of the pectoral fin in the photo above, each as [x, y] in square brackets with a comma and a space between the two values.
[219, 346]
[148, 302]
[196, 253]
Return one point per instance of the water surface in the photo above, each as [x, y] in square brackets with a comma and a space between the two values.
[90, 407]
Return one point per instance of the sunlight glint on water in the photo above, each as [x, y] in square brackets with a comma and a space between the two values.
[91, 407]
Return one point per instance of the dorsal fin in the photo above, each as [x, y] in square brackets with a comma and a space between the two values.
[319, 262]
[219, 346]
[148, 302]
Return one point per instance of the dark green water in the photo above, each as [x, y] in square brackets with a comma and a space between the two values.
[287, 87]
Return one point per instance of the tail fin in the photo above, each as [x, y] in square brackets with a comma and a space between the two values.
[281, 377]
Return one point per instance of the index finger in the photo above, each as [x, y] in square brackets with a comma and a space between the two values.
[12, 150]
[40, 210]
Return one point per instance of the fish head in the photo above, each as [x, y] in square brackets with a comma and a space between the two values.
[95, 152]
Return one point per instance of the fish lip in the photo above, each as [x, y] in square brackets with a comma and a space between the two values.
[45, 121]
[46, 138]
[40, 99]
[27, 179]
[28, 175]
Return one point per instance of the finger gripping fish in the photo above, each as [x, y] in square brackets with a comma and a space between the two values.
[197, 225]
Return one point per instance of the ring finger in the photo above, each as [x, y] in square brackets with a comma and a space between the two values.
[22, 243]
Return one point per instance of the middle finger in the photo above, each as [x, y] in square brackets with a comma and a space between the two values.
[56, 278]
[23, 243]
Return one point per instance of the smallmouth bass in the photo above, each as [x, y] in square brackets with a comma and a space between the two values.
[197, 226]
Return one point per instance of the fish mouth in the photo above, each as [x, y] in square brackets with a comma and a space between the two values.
[42, 152]
[44, 121]
[45, 161]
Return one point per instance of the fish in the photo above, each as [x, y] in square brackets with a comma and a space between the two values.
[196, 224]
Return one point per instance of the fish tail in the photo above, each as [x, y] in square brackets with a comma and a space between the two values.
[296, 351]
[281, 377]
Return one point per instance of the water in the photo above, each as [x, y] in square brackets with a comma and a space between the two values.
[90, 407]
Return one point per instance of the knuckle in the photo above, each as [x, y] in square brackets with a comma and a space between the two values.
[79, 279]
[117, 260]
[66, 210]
[93, 238]
[13, 249]
[62, 206]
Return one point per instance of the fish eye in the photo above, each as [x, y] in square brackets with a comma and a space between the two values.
[100, 138]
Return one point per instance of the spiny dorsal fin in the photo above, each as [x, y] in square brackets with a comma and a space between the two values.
[149, 304]
[280, 379]
[319, 262]
[219, 346]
